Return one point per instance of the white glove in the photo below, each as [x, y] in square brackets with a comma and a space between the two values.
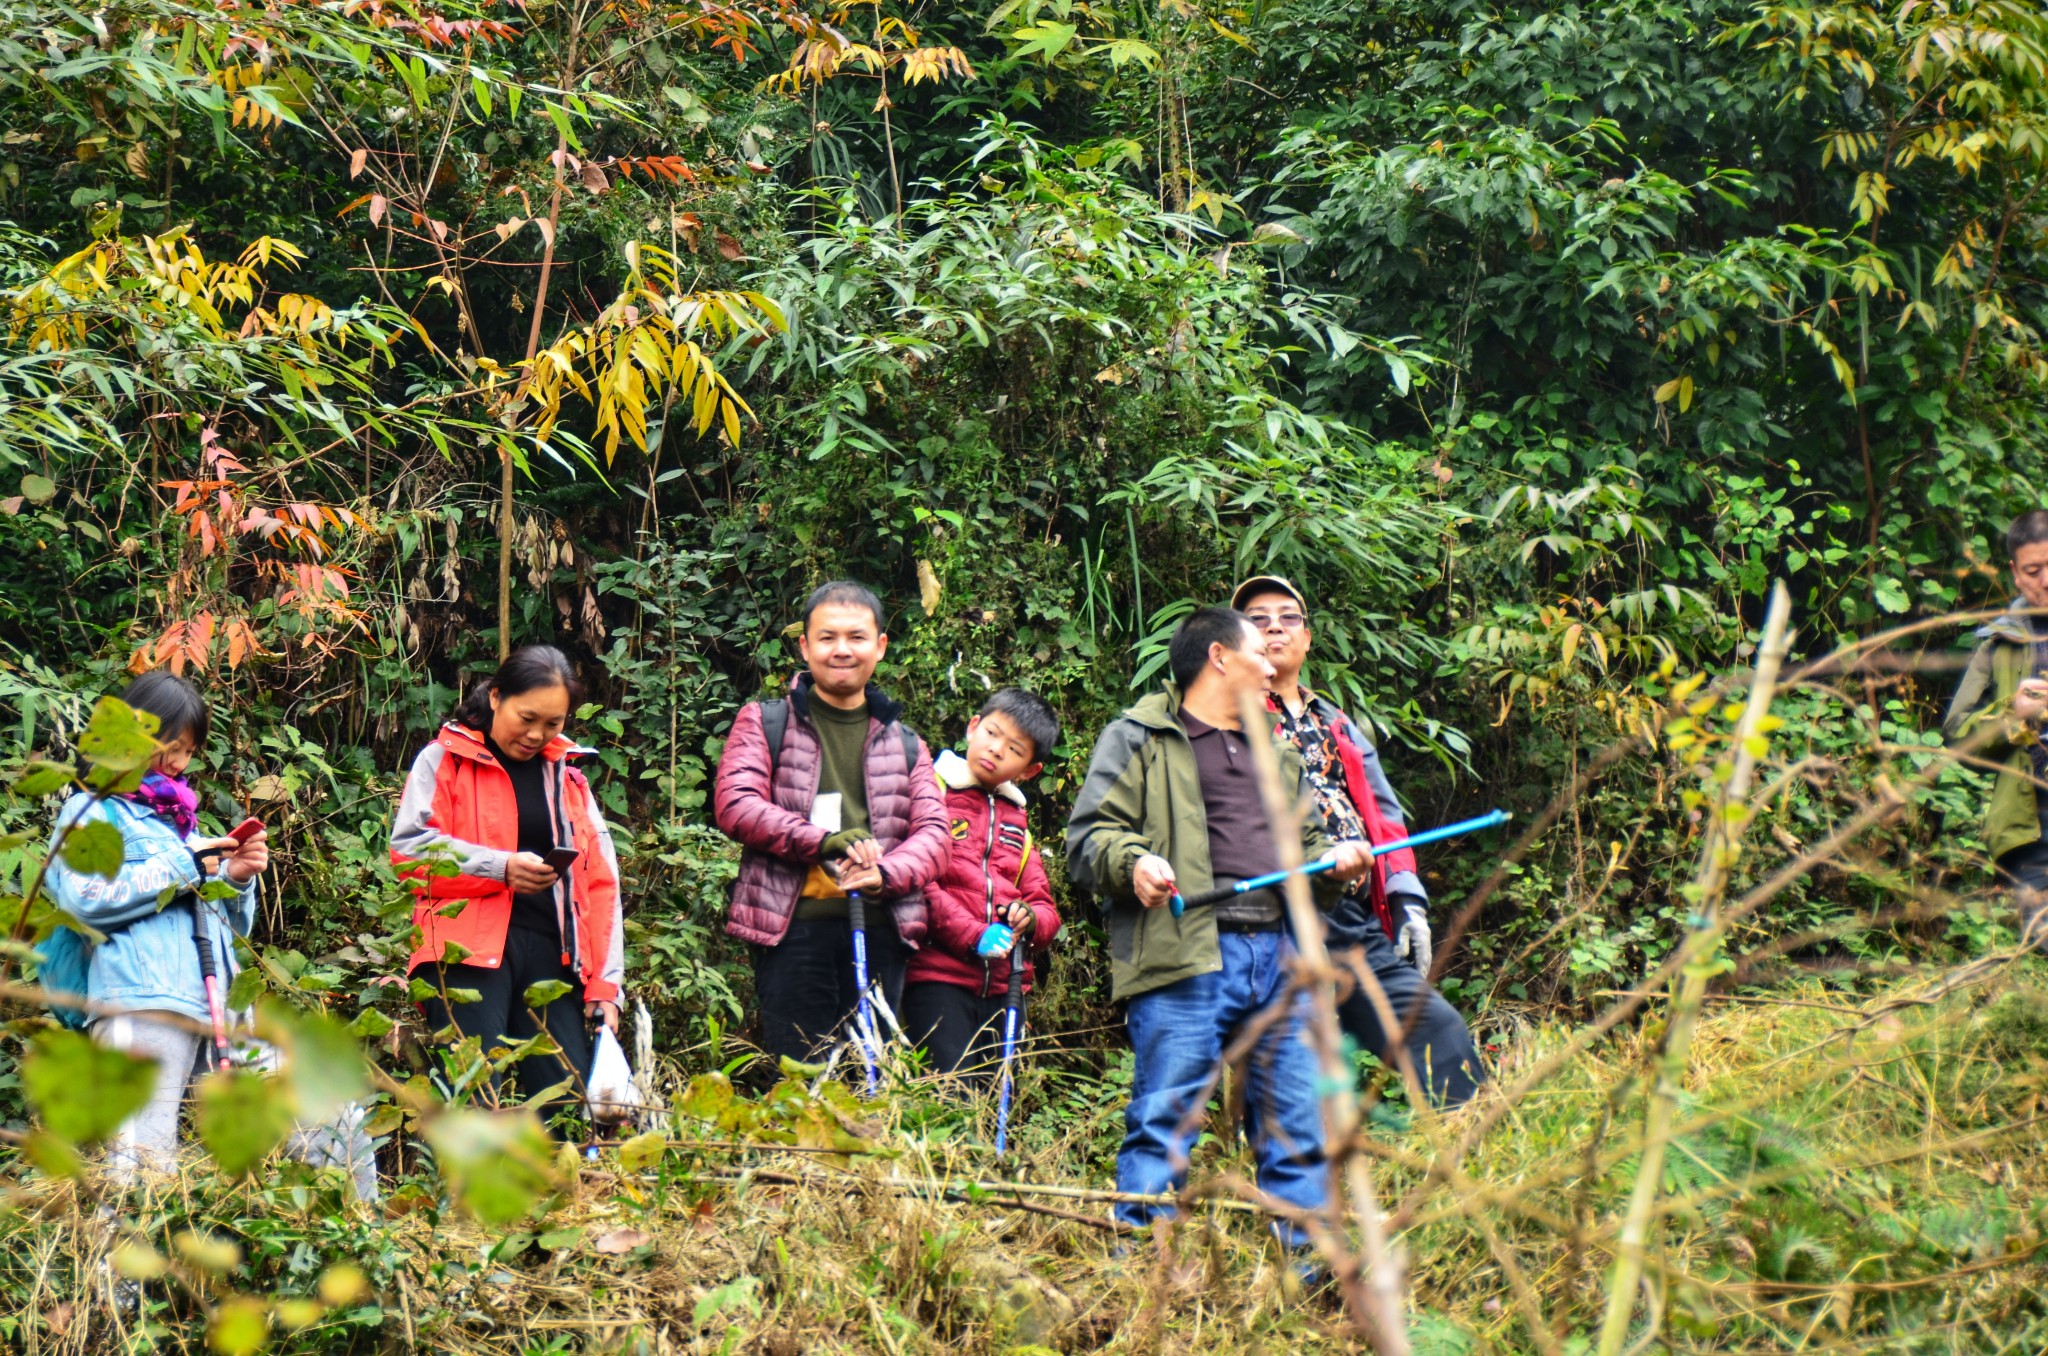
[1412, 942]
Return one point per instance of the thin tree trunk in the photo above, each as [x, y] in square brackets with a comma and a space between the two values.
[1725, 826]
[533, 333]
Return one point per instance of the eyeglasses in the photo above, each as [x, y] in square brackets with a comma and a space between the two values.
[1266, 621]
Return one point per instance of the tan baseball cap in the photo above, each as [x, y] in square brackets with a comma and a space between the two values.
[1266, 583]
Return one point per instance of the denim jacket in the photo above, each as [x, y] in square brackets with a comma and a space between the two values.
[149, 961]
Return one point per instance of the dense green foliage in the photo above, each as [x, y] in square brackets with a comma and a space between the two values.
[1536, 341]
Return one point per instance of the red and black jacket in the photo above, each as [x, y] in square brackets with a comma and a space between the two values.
[993, 864]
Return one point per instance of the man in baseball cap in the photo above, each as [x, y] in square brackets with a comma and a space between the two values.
[1386, 911]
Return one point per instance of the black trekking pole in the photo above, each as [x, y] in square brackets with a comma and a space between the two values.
[209, 974]
[1013, 1026]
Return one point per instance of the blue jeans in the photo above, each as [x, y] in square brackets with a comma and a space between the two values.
[1178, 1033]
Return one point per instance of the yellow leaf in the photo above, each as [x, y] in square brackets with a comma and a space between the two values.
[1684, 394]
[1666, 391]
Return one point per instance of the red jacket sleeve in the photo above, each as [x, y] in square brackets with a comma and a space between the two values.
[916, 861]
[1038, 894]
[743, 798]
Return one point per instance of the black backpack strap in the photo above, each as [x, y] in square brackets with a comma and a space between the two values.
[774, 726]
[910, 743]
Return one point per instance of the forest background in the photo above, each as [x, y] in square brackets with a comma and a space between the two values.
[348, 344]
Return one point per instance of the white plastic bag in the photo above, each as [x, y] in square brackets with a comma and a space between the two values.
[614, 1097]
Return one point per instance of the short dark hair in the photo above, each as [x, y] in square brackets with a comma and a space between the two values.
[526, 669]
[1031, 714]
[844, 593]
[176, 704]
[1188, 651]
[2028, 528]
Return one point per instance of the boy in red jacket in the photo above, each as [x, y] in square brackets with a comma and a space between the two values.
[992, 893]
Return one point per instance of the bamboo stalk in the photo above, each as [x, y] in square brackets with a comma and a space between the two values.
[1375, 1295]
[1724, 844]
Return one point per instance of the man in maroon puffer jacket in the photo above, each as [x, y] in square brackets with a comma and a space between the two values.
[845, 781]
[992, 889]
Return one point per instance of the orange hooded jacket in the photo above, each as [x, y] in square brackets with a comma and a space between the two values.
[459, 808]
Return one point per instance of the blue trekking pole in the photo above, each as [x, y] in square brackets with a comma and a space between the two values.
[1463, 826]
[1013, 1024]
[856, 914]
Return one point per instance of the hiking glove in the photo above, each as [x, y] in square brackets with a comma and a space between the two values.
[836, 844]
[1412, 941]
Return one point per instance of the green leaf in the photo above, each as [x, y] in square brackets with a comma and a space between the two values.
[741, 1293]
[242, 1117]
[371, 1024]
[249, 986]
[240, 1327]
[118, 739]
[642, 1151]
[42, 778]
[1397, 368]
[94, 848]
[797, 1069]
[1047, 39]
[543, 992]
[38, 489]
[323, 1063]
[51, 1156]
[498, 1164]
[81, 1090]
[138, 1261]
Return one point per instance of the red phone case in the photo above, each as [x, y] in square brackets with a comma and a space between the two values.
[246, 830]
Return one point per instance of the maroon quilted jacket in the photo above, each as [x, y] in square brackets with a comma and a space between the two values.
[906, 814]
[992, 865]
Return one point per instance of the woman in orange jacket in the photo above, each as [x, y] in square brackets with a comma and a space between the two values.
[489, 803]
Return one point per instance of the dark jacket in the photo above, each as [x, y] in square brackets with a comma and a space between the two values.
[766, 810]
[993, 865]
[2003, 657]
[1143, 794]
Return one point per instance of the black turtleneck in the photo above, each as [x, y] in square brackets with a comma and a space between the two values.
[533, 910]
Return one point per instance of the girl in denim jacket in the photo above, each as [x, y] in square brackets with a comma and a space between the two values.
[149, 999]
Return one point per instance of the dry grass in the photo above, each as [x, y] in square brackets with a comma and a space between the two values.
[1848, 1174]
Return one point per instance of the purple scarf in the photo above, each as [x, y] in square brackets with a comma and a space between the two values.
[171, 799]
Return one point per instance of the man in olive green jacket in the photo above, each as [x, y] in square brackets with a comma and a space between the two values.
[1171, 803]
[2006, 687]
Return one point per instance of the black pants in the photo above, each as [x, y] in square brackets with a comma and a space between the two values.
[960, 1030]
[1439, 1044]
[2024, 871]
[804, 985]
[500, 1016]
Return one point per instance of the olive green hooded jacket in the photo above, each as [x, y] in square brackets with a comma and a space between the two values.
[1143, 794]
[2003, 657]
